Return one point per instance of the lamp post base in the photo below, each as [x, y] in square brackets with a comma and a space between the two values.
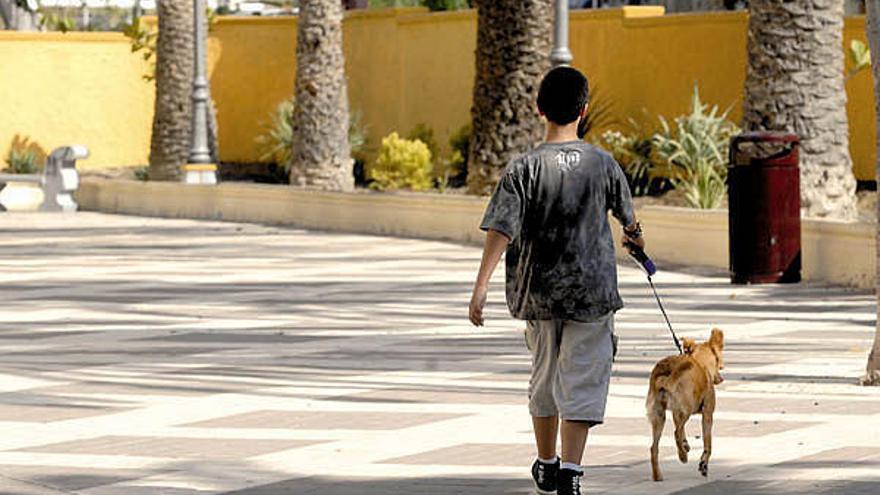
[200, 173]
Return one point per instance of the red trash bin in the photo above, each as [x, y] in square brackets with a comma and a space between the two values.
[764, 208]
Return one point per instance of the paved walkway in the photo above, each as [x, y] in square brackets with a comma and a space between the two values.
[147, 356]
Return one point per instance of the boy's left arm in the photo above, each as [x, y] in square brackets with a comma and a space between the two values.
[621, 206]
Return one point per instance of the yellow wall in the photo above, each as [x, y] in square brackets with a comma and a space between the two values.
[860, 109]
[75, 88]
[404, 67]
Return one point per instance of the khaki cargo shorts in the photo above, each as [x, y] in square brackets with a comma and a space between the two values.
[571, 367]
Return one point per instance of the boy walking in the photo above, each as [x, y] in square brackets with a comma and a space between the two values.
[550, 213]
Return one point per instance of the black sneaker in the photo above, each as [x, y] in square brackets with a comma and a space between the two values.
[545, 477]
[568, 482]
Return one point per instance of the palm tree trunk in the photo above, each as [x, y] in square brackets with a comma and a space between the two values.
[795, 83]
[872, 26]
[321, 155]
[513, 44]
[172, 118]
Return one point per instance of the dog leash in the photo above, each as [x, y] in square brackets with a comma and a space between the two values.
[645, 262]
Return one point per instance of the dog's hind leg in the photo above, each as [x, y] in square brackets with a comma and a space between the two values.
[708, 410]
[680, 419]
[657, 416]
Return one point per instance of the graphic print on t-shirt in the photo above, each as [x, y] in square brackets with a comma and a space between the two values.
[566, 159]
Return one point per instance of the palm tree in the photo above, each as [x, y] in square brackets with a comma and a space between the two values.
[872, 26]
[513, 43]
[172, 118]
[795, 83]
[321, 155]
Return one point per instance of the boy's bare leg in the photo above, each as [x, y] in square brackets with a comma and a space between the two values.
[574, 438]
[546, 429]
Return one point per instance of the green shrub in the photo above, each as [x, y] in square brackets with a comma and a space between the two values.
[696, 148]
[598, 114]
[446, 170]
[439, 164]
[277, 140]
[142, 173]
[357, 133]
[22, 161]
[634, 154]
[423, 132]
[57, 22]
[460, 144]
[460, 141]
[401, 164]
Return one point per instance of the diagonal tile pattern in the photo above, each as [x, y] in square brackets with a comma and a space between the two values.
[147, 356]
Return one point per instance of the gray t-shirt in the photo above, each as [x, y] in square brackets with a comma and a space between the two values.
[553, 204]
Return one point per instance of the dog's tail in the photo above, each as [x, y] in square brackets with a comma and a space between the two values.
[661, 382]
[657, 395]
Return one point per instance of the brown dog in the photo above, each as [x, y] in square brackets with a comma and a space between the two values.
[685, 385]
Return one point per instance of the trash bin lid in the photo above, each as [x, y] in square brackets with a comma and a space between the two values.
[767, 137]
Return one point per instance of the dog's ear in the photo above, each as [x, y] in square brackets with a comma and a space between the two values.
[688, 345]
[717, 339]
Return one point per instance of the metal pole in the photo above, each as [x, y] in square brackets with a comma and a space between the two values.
[199, 152]
[561, 55]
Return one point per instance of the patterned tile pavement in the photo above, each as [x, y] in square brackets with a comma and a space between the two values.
[146, 356]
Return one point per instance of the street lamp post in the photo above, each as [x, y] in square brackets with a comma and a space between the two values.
[199, 169]
[561, 55]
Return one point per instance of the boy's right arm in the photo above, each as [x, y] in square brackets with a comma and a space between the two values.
[621, 205]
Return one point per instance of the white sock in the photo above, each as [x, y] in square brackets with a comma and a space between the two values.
[572, 466]
[548, 461]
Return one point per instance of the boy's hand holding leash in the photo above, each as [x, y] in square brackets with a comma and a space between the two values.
[633, 238]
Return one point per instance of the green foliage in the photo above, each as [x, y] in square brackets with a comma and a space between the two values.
[357, 133]
[277, 140]
[401, 164]
[598, 115]
[460, 141]
[696, 147]
[425, 134]
[22, 161]
[57, 22]
[142, 173]
[445, 168]
[143, 39]
[385, 4]
[434, 5]
[634, 153]
[859, 57]
[460, 144]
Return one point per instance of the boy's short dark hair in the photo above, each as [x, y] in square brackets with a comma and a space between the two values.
[564, 92]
